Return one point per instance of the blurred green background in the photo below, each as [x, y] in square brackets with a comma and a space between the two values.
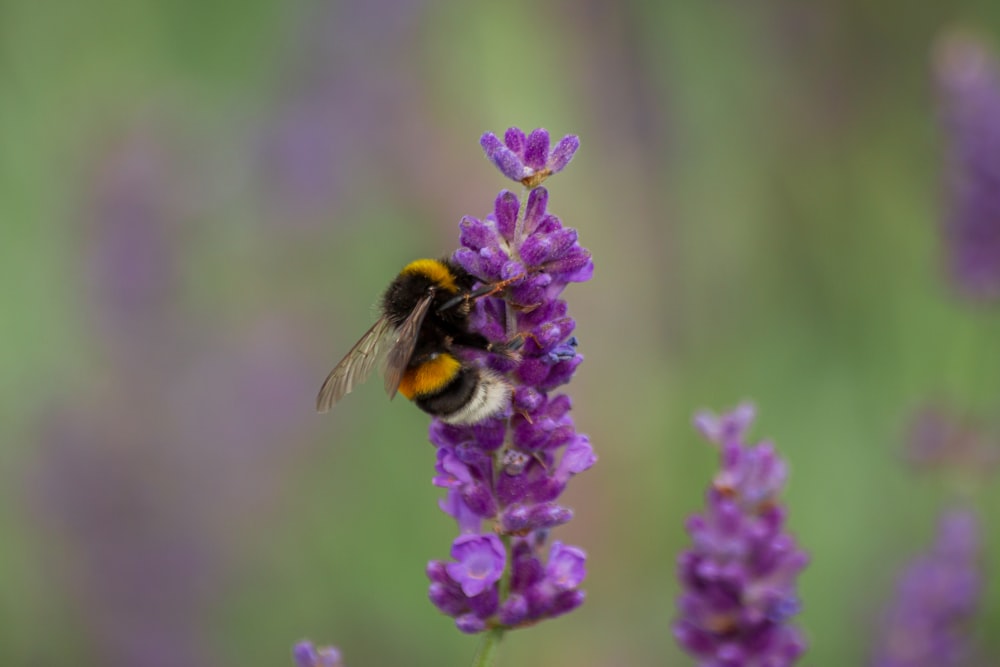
[201, 202]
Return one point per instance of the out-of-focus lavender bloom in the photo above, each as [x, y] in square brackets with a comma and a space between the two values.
[347, 85]
[937, 594]
[152, 490]
[939, 439]
[968, 78]
[527, 159]
[148, 478]
[308, 655]
[140, 574]
[739, 575]
[509, 471]
[132, 260]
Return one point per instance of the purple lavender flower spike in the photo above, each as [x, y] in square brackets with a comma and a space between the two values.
[133, 260]
[308, 655]
[528, 159]
[936, 597]
[738, 577]
[504, 476]
[968, 79]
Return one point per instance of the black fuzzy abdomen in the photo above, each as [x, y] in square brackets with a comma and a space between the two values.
[455, 395]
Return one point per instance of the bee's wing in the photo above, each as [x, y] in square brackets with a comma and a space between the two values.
[406, 339]
[356, 365]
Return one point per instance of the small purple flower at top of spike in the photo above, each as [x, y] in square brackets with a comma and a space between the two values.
[308, 655]
[739, 575]
[527, 158]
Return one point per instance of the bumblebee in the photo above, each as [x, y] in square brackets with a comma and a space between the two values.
[424, 317]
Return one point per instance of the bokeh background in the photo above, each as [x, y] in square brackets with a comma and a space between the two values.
[201, 202]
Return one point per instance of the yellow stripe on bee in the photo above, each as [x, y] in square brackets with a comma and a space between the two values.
[435, 270]
[429, 377]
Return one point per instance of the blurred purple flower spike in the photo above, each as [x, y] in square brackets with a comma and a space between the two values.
[968, 80]
[739, 575]
[927, 624]
[133, 272]
[510, 471]
[149, 478]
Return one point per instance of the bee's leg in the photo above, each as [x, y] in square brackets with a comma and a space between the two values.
[497, 287]
[477, 341]
[470, 339]
[511, 347]
[486, 290]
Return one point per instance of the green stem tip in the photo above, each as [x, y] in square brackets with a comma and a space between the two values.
[489, 649]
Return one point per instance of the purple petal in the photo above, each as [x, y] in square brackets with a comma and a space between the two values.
[470, 624]
[536, 153]
[468, 521]
[479, 500]
[531, 291]
[475, 234]
[534, 212]
[571, 264]
[528, 399]
[515, 140]
[481, 560]
[492, 261]
[506, 209]
[448, 599]
[549, 515]
[567, 566]
[563, 153]
[578, 457]
[509, 164]
[468, 259]
[561, 373]
[541, 248]
[514, 610]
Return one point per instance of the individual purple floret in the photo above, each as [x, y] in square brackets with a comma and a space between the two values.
[936, 597]
[738, 577]
[480, 560]
[527, 159]
[968, 78]
[308, 655]
[504, 475]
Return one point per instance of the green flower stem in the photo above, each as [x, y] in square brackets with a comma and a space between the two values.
[507, 571]
[489, 649]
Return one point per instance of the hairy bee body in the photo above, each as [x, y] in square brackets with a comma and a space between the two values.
[425, 316]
